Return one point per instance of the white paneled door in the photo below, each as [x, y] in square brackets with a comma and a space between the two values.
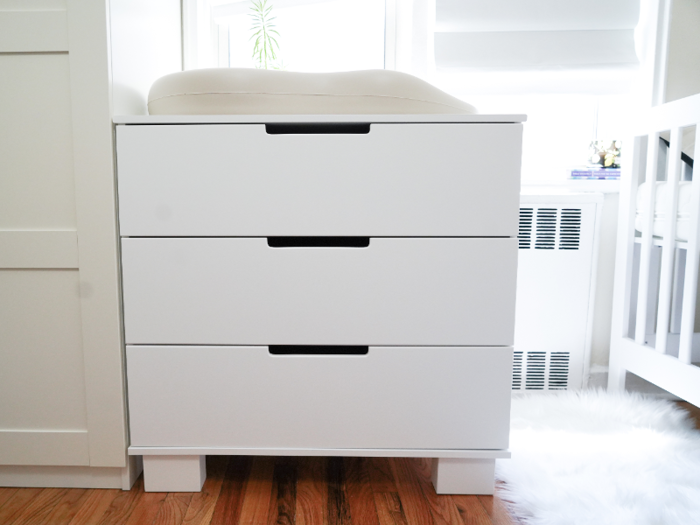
[61, 374]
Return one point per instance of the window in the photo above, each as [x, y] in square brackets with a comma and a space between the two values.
[574, 91]
[314, 35]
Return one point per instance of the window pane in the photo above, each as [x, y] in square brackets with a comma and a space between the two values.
[336, 35]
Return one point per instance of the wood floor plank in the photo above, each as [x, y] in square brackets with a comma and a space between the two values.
[389, 508]
[146, 508]
[471, 510]
[363, 509]
[201, 507]
[415, 506]
[67, 507]
[380, 475]
[386, 495]
[423, 467]
[283, 500]
[442, 508]
[121, 507]
[173, 509]
[6, 493]
[258, 490]
[497, 510]
[227, 510]
[312, 491]
[15, 505]
[95, 506]
[338, 510]
[693, 412]
[37, 510]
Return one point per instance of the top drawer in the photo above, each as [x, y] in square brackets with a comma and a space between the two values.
[397, 180]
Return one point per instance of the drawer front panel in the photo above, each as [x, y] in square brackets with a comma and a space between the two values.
[397, 180]
[394, 292]
[397, 397]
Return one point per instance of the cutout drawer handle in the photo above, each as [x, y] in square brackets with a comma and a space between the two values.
[318, 242]
[318, 128]
[317, 350]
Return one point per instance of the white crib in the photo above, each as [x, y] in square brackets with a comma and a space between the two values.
[656, 276]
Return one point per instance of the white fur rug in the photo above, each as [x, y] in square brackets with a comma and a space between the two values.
[595, 458]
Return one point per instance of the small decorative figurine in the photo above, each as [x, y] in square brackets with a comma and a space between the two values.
[605, 153]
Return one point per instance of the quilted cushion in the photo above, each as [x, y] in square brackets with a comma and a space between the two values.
[225, 91]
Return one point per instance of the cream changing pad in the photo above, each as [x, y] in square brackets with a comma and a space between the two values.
[226, 91]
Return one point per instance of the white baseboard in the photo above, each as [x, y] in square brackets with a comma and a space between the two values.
[598, 378]
[72, 477]
[131, 473]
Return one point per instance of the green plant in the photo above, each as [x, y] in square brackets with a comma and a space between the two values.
[266, 47]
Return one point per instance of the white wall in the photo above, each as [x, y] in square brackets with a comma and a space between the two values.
[683, 68]
[602, 313]
[146, 44]
[560, 127]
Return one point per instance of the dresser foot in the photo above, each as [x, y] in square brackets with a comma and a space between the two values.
[463, 476]
[174, 473]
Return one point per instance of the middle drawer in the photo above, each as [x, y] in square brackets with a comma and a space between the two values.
[396, 291]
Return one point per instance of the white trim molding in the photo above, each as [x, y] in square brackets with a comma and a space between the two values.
[72, 477]
[348, 452]
[44, 447]
[95, 199]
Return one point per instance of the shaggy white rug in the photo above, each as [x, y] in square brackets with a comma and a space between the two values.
[595, 458]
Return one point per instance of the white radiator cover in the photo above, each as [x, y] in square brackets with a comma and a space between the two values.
[557, 259]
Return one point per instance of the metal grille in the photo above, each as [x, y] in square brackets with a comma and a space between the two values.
[549, 228]
[541, 370]
[558, 370]
[536, 363]
[525, 228]
[546, 232]
[570, 229]
[517, 370]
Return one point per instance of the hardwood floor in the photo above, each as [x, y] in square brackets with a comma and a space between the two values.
[692, 410]
[272, 491]
[268, 491]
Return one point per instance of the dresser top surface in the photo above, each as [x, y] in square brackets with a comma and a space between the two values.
[269, 119]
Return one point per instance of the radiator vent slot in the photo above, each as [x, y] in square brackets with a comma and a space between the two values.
[541, 370]
[525, 228]
[549, 228]
[517, 370]
[546, 232]
[570, 229]
[558, 370]
[536, 363]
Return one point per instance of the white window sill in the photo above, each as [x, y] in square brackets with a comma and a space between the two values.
[578, 186]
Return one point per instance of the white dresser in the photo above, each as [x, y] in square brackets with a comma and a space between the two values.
[318, 285]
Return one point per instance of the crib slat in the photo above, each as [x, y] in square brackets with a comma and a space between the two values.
[647, 238]
[632, 177]
[669, 242]
[677, 297]
[691, 269]
[624, 298]
[653, 295]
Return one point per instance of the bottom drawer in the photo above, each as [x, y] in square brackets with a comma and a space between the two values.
[390, 397]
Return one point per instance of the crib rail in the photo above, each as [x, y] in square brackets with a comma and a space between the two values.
[669, 241]
[656, 296]
[674, 116]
